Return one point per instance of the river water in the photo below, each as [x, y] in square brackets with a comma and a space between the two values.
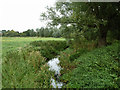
[53, 64]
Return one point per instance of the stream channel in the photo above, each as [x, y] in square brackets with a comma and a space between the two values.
[53, 64]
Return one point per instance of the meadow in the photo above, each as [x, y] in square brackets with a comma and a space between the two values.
[12, 43]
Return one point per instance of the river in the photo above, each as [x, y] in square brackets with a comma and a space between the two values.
[53, 64]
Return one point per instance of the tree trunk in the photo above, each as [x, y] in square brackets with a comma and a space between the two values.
[102, 36]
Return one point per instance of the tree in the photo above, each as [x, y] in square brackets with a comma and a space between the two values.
[93, 19]
[108, 13]
[4, 32]
[29, 32]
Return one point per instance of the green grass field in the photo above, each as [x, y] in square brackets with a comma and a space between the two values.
[12, 43]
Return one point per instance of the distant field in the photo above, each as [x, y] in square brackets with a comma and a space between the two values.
[12, 43]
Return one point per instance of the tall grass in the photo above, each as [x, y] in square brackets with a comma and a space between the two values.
[25, 69]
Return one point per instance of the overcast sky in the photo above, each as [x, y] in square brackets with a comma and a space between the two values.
[21, 15]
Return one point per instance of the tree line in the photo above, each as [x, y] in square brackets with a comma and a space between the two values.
[39, 32]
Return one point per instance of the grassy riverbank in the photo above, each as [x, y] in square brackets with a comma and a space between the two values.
[25, 64]
[98, 68]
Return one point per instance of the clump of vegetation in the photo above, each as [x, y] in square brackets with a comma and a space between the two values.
[95, 69]
[25, 69]
[49, 49]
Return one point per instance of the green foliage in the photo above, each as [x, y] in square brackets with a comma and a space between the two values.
[68, 57]
[77, 54]
[49, 49]
[12, 33]
[48, 32]
[29, 33]
[95, 69]
[25, 69]
[73, 19]
[39, 32]
[92, 20]
[65, 61]
[112, 36]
